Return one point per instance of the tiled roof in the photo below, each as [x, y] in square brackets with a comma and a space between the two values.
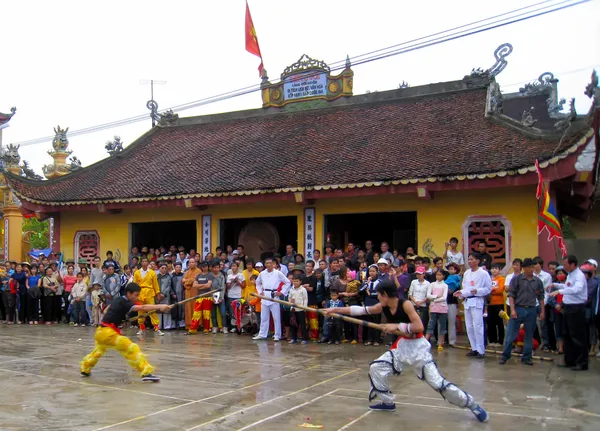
[441, 136]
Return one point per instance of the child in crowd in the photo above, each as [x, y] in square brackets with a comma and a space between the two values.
[96, 304]
[496, 305]
[333, 330]
[285, 310]
[454, 283]
[78, 293]
[437, 293]
[417, 293]
[34, 294]
[298, 296]
[255, 302]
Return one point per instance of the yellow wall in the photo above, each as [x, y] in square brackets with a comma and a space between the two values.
[437, 219]
[589, 229]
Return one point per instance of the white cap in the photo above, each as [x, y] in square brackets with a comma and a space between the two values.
[382, 260]
[259, 265]
[593, 262]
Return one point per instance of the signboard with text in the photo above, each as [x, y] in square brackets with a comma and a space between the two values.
[310, 84]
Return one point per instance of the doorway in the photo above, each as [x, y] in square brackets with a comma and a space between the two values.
[164, 233]
[261, 237]
[398, 229]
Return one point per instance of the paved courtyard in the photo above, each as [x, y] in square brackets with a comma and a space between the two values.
[228, 382]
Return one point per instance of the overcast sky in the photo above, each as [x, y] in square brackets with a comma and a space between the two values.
[80, 63]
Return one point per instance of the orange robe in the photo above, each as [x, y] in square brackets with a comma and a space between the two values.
[190, 291]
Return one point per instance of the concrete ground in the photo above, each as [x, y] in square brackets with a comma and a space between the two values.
[229, 382]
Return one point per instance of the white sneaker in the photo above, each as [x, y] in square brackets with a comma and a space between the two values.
[215, 330]
[82, 325]
[258, 337]
[159, 332]
[140, 332]
[233, 330]
[76, 325]
[225, 331]
[276, 339]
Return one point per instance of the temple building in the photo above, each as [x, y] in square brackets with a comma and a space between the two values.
[412, 166]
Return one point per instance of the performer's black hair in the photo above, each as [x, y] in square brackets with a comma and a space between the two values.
[388, 287]
[133, 287]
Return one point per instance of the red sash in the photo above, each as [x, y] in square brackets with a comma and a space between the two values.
[395, 345]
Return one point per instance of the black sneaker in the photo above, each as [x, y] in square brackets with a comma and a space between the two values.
[502, 361]
[473, 353]
[527, 362]
[150, 378]
[85, 374]
[382, 407]
[480, 356]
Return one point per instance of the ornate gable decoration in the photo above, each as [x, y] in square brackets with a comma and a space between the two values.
[5, 118]
[307, 80]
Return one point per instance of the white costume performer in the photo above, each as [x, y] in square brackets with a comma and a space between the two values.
[474, 304]
[407, 353]
[267, 284]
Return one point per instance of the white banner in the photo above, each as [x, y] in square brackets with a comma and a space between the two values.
[309, 233]
[303, 85]
[206, 232]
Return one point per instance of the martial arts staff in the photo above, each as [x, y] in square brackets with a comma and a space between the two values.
[108, 334]
[411, 350]
[476, 285]
[575, 328]
[145, 277]
[273, 283]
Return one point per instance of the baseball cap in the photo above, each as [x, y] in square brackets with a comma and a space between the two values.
[420, 270]
[592, 262]
[235, 252]
[383, 261]
[259, 265]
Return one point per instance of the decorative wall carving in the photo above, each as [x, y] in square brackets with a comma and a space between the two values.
[495, 231]
[87, 245]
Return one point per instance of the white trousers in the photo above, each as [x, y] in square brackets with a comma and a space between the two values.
[452, 323]
[265, 317]
[474, 321]
[415, 355]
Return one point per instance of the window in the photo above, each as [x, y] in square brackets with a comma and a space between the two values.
[87, 245]
[495, 231]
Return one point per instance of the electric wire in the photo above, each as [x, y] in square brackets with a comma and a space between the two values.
[387, 52]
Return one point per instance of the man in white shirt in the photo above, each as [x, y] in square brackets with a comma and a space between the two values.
[268, 284]
[546, 280]
[477, 284]
[575, 334]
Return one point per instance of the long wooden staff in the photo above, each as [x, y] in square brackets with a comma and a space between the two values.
[336, 315]
[193, 298]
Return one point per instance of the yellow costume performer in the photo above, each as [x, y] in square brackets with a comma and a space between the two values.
[146, 279]
[108, 335]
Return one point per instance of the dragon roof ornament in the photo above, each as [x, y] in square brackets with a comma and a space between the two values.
[478, 76]
[305, 64]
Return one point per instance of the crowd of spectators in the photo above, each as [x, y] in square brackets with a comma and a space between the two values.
[554, 306]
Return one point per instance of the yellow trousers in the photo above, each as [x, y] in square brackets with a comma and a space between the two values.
[107, 338]
[147, 297]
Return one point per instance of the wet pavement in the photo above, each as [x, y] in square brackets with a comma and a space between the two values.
[229, 382]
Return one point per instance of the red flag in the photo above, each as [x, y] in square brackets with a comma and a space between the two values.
[251, 40]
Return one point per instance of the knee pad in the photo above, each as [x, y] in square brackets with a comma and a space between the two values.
[387, 361]
[446, 389]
